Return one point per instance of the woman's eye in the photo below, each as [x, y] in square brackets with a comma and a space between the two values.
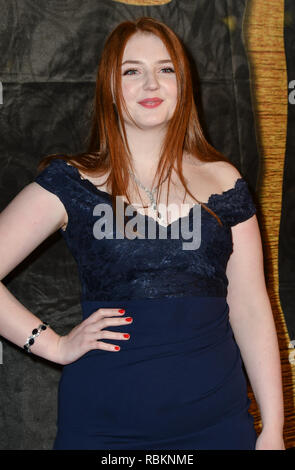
[130, 71]
[168, 68]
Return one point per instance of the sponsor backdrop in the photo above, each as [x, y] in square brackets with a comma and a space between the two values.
[49, 56]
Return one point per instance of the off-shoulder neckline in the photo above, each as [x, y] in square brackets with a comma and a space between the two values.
[212, 198]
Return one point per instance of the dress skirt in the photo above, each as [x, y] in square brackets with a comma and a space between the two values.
[177, 383]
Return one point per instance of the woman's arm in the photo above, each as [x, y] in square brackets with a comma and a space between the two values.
[29, 219]
[253, 325]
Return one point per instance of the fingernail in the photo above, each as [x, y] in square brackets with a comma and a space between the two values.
[121, 310]
[128, 319]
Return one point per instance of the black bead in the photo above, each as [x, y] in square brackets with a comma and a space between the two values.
[45, 323]
[43, 327]
[31, 341]
[35, 331]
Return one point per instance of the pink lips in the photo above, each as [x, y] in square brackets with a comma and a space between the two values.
[151, 102]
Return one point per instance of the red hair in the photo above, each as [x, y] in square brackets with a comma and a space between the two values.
[108, 149]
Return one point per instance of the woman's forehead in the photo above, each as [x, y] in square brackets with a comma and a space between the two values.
[144, 45]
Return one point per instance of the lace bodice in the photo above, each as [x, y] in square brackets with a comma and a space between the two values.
[123, 268]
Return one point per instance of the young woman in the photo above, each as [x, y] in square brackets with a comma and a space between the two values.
[156, 362]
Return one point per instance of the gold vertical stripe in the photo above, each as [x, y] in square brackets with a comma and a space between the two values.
[264, 41]
[143, 2]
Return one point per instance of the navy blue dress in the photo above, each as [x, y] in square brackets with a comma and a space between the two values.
[178, 382]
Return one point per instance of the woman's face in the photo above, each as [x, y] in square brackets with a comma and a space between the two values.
[147, 73]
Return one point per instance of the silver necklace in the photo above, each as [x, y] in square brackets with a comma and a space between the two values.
[150, 192]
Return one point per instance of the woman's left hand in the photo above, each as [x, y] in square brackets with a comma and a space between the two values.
[270, 440]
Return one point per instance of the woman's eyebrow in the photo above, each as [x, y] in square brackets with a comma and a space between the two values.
[140, 62]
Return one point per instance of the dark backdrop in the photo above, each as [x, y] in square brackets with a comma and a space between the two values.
[287, 226]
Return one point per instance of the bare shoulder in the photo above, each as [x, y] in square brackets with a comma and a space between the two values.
[29, 218]
[207, 178]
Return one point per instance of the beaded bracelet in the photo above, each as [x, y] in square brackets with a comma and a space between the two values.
[35, 332]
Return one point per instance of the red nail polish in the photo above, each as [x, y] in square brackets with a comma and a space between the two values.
[128, 319]
[122, 310]
[117, 348]
[126, 335]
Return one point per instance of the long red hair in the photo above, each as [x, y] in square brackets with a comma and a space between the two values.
[108, 150]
